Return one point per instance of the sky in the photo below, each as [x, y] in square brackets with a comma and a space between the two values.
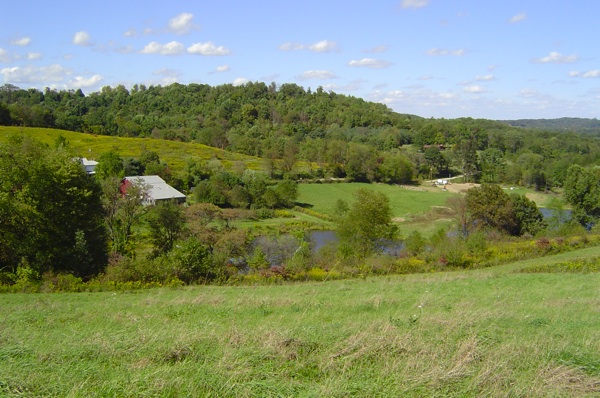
[493, 59]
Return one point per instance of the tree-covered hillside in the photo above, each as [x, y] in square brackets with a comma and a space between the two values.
[572, 124]
[339, 135]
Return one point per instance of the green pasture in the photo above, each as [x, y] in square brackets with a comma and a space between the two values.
[174, 153]
[404, 200]
[483, 333]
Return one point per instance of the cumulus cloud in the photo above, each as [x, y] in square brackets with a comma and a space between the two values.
[208, 49]
[585, 75]
[182, 23]
[518, 18]
[370, 63]
[31, 56]
[316, 74]
[474, 89]
[171, 48]
[82, 39]
[323, 46]
[222, 68]
[440, 52]
[557, 58]
[320, 47]
[82, 82]
[414, 3]
[21, 41]
[240, 81]
[32, 75]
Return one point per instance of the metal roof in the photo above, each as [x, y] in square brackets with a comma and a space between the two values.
[158, 189]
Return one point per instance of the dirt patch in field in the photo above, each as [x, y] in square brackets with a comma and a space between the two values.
[457, 188]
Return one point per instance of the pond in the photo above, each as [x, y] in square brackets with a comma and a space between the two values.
[318, 239]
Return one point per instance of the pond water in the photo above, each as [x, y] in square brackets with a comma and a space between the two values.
[319, 239]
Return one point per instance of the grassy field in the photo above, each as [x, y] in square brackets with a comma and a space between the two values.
[493, 332]
[404, 200]
[174, 153]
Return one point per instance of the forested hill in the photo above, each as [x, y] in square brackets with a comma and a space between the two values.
[194, 111]
[572, 124]
[254, 118]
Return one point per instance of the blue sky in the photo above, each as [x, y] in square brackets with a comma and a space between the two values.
[434, 58]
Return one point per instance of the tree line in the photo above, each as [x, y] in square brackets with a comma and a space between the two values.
[338, 135]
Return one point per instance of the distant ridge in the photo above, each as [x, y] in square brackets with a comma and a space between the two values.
[574, 124]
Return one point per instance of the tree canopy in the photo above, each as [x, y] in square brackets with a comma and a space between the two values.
[51, 216]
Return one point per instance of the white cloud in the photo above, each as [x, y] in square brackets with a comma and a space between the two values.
[518, 18]
[291, 46]
[557, 58]
[425, 98]
[171, 48]
[585, 75]
[440, 52]
[222, 68]
[82, 82]
[354, 85]
[484, 78]
[240, 81]
[32, 56]
[370, 63]
[31, 74]
[323, 46]
[414, 3]
[22, 41]
[182, 23]
[316, 74]
[82, 39]
[474, 89]
[208, 49]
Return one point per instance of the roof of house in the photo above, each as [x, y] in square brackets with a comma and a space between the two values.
[158, 189]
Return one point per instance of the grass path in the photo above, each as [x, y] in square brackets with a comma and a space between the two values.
[492, 332]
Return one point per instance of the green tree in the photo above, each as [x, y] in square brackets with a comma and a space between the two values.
[529, 218]
[110, 164]
[490, 206]
[492, 165]
[166, 222]
[123, 210]
[367, 223]
[50, 211]
[582, 192]
[465, 155]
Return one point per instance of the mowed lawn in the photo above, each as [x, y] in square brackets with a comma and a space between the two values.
[404, 200]
[485, 333]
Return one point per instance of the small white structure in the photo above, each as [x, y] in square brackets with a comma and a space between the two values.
[156, 189]
[89, 165]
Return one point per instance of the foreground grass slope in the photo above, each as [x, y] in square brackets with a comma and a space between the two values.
[492, 332]
[174, 153]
